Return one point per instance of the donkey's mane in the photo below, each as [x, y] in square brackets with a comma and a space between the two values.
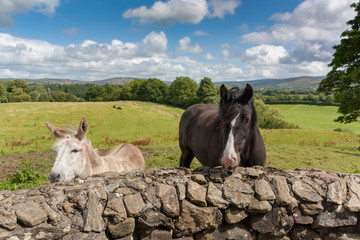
[72, 130]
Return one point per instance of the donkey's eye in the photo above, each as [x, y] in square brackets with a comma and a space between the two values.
[75, 150]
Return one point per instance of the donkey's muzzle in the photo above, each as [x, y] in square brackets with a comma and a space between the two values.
[54, 177]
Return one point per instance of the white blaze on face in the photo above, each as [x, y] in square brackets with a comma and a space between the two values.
[229, 158]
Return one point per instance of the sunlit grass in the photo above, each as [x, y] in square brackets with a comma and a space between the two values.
[22, 125]
[314, 117]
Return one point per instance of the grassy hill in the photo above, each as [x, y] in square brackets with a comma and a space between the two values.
[115, 80]
[287, 83]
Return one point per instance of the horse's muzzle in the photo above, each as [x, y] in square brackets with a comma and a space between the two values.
[229, 163]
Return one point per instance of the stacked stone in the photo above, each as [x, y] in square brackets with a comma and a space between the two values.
[175, 203]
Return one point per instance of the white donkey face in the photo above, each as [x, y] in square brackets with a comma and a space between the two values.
[70, 151]
[70, 160]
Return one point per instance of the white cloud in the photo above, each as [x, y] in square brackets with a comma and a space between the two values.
[170, 12]
[200, 33]
[308, 32]
[32, 58]
[185, 47]
[227, 53]
[209, 57]
[184, 11]
[266, 54]
[312, 20]
[155, 42]
[243, 27]
[27, 58]
[219, 8]
[72, 31]
[9, 8]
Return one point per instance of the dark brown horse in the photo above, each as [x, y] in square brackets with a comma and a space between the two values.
[222, 135]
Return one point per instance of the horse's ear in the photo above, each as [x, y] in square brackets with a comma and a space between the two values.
[56, 132]
[83, 127]
[225, 93]
[247, 94]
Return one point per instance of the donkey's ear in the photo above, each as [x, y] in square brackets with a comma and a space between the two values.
[56, 132]
[247, 94]
[83, 127]
[225, 93]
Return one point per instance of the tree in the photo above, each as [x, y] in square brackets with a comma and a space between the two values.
[207, 92]
[95, 93]
[344, 78]
[3, 93]
[18, 95]
[64, 97]
[131, 90]
[154, 90]
[109, 90]
[183, 92]
[17, 83]
[271, 118]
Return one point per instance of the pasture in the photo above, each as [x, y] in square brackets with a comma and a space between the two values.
[315, 117]
[25, 140]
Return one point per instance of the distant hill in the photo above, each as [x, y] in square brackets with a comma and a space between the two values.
[115, 80]
[287, 83]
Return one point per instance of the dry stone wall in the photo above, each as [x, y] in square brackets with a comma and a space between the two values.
[175, 203]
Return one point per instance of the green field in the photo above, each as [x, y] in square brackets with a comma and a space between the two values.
[23, 129]
[154, 128]
[315, 117]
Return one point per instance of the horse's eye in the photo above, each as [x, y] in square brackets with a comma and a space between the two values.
[75, 150]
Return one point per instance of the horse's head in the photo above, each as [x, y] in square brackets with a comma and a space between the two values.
[71, 152]
[238, 117]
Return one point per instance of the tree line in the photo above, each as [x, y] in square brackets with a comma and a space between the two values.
[183, 92]
[299, 96]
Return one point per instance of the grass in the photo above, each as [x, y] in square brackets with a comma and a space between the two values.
[308, 148]
[315, 117]
[154, 128]
[22, 125]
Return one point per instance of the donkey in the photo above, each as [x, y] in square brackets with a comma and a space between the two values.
[75, 157]
[222, 135]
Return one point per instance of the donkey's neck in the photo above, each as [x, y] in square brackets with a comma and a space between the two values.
[95, 161]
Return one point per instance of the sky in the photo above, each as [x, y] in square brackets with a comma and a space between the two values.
[225, 40]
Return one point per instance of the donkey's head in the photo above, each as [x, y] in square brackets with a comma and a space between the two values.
[71, 152]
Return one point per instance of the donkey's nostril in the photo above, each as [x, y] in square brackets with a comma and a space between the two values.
[54, 177]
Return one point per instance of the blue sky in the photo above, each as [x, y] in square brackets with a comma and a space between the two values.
[225, 40]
